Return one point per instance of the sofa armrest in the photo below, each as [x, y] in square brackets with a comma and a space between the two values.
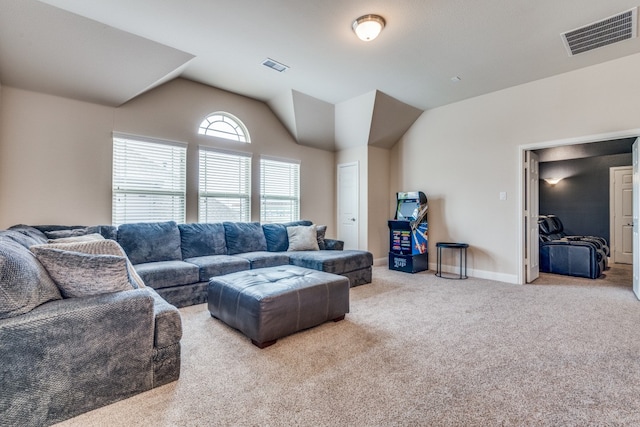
[333, 244]
[70, 356]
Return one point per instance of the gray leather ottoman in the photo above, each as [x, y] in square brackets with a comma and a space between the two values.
[269, 303]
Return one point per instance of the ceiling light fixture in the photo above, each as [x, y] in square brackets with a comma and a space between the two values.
[367, 27]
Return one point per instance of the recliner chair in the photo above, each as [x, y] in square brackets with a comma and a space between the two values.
[581, 256]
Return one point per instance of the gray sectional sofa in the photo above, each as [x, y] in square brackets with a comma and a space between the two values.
[177, 260]
[61, 356]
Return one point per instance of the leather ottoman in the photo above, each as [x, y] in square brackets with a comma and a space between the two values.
[269, 303]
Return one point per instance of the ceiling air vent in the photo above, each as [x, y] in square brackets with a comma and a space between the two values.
[275, 65]
[616, 28]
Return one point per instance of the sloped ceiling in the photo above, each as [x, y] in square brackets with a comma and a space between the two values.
[49, 50]
[108, 51]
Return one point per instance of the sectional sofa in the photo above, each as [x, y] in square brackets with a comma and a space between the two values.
[177, 260]
[65, 351]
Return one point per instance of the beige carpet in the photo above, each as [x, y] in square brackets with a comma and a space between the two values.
[415, 350]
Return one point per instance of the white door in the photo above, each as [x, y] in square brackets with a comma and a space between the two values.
[622, 215]
[532, 208]
[348, 200]
[636, 211]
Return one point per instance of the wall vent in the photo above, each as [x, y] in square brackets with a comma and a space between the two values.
[622, 26]
[275, 65]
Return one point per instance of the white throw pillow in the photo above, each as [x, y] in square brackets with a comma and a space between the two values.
[303, 238]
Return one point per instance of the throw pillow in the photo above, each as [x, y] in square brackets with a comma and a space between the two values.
[276, 236]
[64, 233]
[79, 238]
[101, 247]
[303, 238]
[79, 275]
[322, 230]
[24, 283]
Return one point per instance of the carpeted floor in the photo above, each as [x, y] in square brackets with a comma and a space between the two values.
[414, 350]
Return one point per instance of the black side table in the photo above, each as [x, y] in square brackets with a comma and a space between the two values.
[462, 247]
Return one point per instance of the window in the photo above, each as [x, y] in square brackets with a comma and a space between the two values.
[149, 180]
[279, 191]
[225, 186]
[224, 125]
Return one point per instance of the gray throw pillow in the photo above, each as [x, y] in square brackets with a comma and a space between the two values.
[303, 238]
[100, 246]
[322, 230]
[80, 275]
[24, 283]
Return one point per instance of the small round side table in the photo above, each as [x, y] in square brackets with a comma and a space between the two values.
[462, 247]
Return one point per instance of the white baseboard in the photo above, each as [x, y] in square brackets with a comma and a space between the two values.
[454, 269]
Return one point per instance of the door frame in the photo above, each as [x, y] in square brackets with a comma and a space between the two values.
[521, 154]
[338, 224]
[612, 208]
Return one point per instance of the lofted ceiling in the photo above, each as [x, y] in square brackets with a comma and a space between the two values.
[109, 51]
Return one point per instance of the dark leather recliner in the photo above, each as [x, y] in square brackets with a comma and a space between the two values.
[581, 256]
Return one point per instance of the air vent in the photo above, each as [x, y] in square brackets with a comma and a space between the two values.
[622, 26]
[275, 65]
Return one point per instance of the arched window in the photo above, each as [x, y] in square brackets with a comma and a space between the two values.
[224, 125]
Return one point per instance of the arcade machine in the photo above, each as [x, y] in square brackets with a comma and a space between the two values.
[408, 233]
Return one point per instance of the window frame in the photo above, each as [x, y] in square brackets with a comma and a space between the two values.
[240, 132]
[127, 179]
[277, 190]
[213, 177]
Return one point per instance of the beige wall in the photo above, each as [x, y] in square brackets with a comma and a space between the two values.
[379, 202]
[463, 155]
[55, 153]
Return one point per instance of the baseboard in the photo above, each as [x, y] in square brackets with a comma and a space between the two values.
[454, 269]
[379, 262]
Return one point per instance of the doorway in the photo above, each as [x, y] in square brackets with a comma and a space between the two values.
[621, 214]
[348, 201]
[526, 245]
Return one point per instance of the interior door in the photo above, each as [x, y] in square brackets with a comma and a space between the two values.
[636, 211]
[348, 200]
[532, 211]
[622, 239]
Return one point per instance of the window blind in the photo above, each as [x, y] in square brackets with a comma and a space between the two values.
[224, 186]
[149, 181]
[279, 191]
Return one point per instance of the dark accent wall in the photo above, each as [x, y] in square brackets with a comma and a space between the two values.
[581, 199]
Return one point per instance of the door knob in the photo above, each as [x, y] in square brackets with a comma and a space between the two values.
[352, 219]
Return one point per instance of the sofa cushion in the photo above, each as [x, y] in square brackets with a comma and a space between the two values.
[303, 238]
[202, 239]
[218, 265]
[24, 282]
[164, 274]
[150, 242]
[21, 238]
[79, 274]
[263, 259]
[276, 235]
[337, 262]
[244, 237]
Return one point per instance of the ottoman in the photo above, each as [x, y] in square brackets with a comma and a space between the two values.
[269, 303]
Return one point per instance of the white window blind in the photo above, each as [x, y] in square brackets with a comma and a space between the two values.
[149, 181]
[225, 186]
[279, 191]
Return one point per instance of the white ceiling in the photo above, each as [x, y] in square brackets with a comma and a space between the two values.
[126, 47]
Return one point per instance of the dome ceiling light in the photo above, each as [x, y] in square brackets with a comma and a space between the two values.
[368, 27]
